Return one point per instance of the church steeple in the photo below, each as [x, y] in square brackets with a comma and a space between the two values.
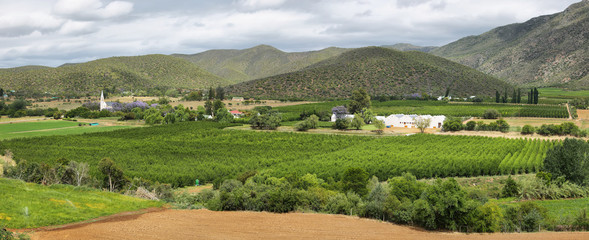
[102, 102]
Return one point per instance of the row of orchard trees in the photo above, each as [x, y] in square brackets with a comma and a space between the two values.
[529, 159]
[180, 153]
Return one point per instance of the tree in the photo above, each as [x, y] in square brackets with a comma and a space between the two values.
[536, 94]
[341, 124]
[208, 107]
[113, 174]
[380, 126]
[223, 116]
[422, 123]
[531, 96]
[355, 180]
[357, 122]
[340, 112]
[502, 125]
[569, 160]
[497, 96]
[194, 96]
[504, 98]
[511, 189]
[491, 114]
[1, 92]
[220, 93]
[211, 93]
[360, 100]
[514, 96]
[519, 95]
[268, 121]
[80, 171]
[217, 104]
[470, 126]
[367, 115]
[528, 129]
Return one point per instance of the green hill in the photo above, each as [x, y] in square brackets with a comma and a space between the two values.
[257, 62]
[544, 51]
[409, 47]
[380, 71]
[121, 73]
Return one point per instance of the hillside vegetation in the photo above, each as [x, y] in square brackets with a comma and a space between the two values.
[121, 73]
[257, 62]
[29, 205]
[380, 71]
[544, 51]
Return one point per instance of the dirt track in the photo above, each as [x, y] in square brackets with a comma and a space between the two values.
[205, 224]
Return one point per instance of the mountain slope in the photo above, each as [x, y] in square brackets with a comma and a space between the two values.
[409, 47]
[257, 62]
[544, 51]
[380, 71]
[123, 73]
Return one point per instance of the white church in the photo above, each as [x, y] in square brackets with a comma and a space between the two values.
[405, 121]
[103, 104]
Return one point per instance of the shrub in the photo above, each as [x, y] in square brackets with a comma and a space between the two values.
[581, 222]
[357, 122]
[452, 125]
[569, 160]
[511, 189]
[341, 124]
[380, 126]
[491, 114]
[355, 180]
[528, 129]
[470, 125]
[502, 126]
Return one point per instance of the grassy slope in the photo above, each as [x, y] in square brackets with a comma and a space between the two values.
[380, 71]
[129, 73]
[28, 205]
[543, 51]
[49, 128]
[257, 62]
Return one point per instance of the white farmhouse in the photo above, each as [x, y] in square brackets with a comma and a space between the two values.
[348, 116]
[408, 121]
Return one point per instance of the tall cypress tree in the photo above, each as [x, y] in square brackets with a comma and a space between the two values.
[531, 96]
[536, 94]
[514, 97]
[211, 93]
[497, 97]
[504, 96]
[519, 95]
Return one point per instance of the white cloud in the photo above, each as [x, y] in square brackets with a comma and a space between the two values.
[87, 10]
[53, 32]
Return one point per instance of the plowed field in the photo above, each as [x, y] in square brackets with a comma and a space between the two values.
[205, 224]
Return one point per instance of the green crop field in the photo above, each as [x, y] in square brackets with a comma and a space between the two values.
[561, 93]
[435, 108]
[179, 153]
[29, 205]
[49, 128]
[557, 209]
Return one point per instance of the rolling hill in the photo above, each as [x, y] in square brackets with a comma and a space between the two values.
[410, 47]
[257, 62]
[381, 71]
[123, 73]
[548, 50]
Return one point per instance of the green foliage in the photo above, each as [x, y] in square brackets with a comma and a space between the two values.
[452, 125]
[367, 115]
[357, 122]
[127, 73]
[380, 126]
[342, 124]
[355, 180]
[113, 174]
[528, 130]
[470, 125]
[30, 205]
[491, 114]
[448, 203]
[382, 72]
[359, 100]
[569, 160]
[511, 189]
[487, 218]
[309, 123]
[268, 121]
[406, 187]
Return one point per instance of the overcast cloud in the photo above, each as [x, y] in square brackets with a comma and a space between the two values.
[53, 32]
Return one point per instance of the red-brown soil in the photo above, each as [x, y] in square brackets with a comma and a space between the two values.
[205, 224]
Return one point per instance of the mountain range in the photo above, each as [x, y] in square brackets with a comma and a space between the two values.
[551, 50]
[548, 50]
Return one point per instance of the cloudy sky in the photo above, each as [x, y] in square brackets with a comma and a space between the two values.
[53, 32]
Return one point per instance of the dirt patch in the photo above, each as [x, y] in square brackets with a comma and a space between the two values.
[195, 190]
[205, 224]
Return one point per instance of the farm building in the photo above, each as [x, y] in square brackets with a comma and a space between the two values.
[408, 121]
[348, 116]
[236, 114]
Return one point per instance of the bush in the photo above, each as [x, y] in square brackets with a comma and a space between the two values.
[341, 124]
[452, 125]
[470, 125]
[511, 189]
[569, 160]
[528, 129]
[491, 114]
[355, 180]
[502, 126]
[581, 222]
[309, 123]
[357, 122]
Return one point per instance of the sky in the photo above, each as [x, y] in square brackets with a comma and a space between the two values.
[54, 32]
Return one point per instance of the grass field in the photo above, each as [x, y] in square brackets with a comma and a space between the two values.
[561, 93]
[557, 209]
[49, 128]
[29, 205]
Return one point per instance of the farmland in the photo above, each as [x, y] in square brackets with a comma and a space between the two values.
[455, 109]
[32, 205]
[49, 128]
[179, 153]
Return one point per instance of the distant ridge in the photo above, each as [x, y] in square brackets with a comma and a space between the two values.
[381, 71]
[257, 62]
[410, 47]
[121, 73]
[548, 50]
